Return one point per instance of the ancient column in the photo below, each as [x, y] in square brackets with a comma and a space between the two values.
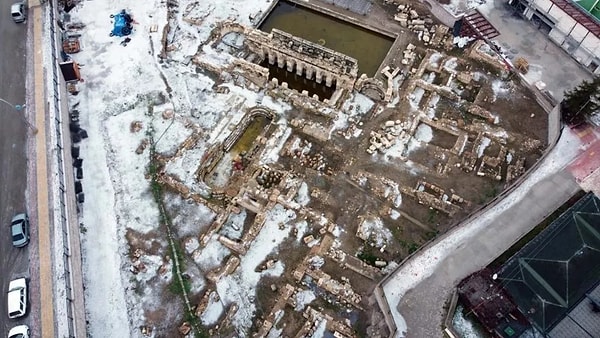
[319, 76]
[290, 65]
[299, 68]
[328, 79]
[280, 60]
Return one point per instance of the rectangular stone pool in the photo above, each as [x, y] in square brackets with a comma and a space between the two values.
[368, 47]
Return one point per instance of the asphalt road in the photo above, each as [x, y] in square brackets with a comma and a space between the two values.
[13, 163]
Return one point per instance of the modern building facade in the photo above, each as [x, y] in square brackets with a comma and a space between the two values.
[574, 26]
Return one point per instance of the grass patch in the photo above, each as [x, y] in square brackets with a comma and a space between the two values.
[432, 215]
[180, 285]
[366, 255]
[176, 288]
[498, 262]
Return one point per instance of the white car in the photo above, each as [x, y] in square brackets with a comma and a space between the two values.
[21, 331]
[17, 298]
[18, 11]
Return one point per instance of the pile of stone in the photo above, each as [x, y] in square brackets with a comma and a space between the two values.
[384, 138]
[315, 162]
[408, 17]
[409, 54]
[269, 178]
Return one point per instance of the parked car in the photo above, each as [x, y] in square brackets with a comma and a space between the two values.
[18, 11]
[19, 229]
[21, 331]
[17, 298]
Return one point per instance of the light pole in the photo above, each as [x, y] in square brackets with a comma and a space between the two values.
[18, 108]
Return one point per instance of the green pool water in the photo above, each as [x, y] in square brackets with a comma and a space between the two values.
[368, 47]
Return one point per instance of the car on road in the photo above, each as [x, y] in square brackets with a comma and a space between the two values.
[19, 229]
[18, 11]
[21, 331]
[17, 298]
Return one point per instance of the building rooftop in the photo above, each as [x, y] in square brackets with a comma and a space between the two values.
[587, 17]
[551, 275]
[583, 321]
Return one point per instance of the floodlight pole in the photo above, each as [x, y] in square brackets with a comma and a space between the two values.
[18, 108]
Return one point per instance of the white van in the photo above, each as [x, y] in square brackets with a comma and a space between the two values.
[18, 11]
[17, 298]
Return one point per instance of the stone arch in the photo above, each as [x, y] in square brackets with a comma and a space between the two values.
[223, 28]
[223, 40]
[373, 89]
[428, 5]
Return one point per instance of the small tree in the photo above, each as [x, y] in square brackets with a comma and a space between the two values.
[581, 102]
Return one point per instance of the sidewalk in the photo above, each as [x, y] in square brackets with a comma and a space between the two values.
[61, 296]
[41, 174]
[416, 292]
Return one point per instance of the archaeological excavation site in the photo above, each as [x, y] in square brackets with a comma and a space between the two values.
[326, 142]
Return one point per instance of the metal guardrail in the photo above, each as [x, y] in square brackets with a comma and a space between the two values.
[54, 99]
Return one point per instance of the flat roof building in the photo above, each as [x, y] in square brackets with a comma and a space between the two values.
[574, 26]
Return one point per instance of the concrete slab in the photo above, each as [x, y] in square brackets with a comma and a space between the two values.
[423, 306]
[548, 61]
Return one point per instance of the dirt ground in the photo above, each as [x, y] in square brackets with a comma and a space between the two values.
[518, 131]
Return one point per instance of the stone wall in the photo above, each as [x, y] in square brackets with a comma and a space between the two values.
[301, 56]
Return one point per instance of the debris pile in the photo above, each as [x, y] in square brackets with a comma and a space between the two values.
[385, 137]
[408, 17]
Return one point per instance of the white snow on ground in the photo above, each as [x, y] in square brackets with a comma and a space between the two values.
[485, 142]
[434, 59]
[191, 244]
[212, 256]
[320, 329]
[429, 77]
[213, 311]
[302, 227]
[122, 83]
[458, 7]
[424, 133]
[357, 104]
[316, 262]
[463, 325]
[352, 110]
[234, 226]
[378, 235]
[451, 64]
[303, 298]
[276, 333]
[240, 287]
[500, 88]
[394, 152]
[302, 196]
[415, 97]
[432, 105]
[189, 217]
[534, 74]
[275, 143]
[122, 198]
[425, 263]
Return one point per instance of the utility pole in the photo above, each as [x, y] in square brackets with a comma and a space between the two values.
[19, 108]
